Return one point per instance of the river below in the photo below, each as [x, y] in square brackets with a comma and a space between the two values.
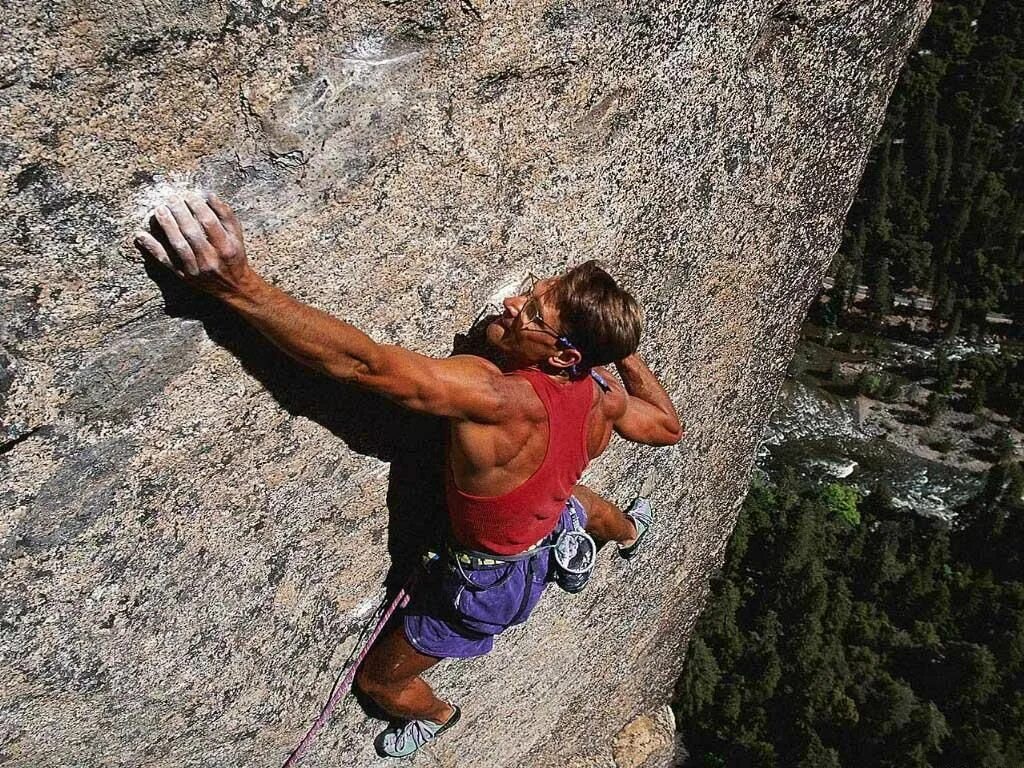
[828, 438]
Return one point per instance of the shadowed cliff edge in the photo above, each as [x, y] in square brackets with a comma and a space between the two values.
[193, 531]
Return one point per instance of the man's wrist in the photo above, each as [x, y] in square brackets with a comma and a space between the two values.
[248, 292]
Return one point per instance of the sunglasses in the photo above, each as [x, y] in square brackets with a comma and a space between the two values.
[530, 312]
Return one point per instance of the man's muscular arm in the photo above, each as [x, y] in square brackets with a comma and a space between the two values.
[649, 416]
[207, 251]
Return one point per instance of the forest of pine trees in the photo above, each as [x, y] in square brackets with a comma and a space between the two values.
[940, 208]
[845, 632]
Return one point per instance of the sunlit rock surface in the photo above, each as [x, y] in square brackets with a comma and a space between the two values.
[193, 532]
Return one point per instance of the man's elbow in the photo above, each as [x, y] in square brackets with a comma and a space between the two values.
[371, 369]
[350, 371]
[672, 434]
[667, 439]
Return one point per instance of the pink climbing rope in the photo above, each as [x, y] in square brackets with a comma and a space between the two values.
[342, 686]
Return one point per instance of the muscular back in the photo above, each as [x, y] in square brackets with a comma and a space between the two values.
[493, 459]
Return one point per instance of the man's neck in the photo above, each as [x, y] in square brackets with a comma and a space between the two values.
[560, 375]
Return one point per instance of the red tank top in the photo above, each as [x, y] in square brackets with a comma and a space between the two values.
[515, 521]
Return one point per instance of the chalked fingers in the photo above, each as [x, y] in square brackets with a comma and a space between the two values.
[204, 254]
[181, 253]
[151, 248]
[200, 241]
[227, 216]
[211, 225]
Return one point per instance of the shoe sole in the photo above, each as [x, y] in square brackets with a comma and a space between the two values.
[451, 721]
[627, 553]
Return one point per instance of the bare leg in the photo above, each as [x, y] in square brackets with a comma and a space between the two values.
[390, 675]
[605, 521]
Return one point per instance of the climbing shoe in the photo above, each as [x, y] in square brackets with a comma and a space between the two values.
[642, 515]
[403, 740]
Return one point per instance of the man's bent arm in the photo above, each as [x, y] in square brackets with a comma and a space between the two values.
[207, 251]
[650, 417]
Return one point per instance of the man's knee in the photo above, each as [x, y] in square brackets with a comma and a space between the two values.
[595, 507]
[368, 682]
[378, 685]
[389, 666]
[584, 496]
[372, 676]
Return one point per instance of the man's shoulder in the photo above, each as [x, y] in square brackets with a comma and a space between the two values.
[613, 398]
[476, 365]
[515, 396]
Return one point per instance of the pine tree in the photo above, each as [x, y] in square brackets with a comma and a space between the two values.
[880, 291]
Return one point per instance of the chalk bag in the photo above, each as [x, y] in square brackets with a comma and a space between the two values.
[575, 555]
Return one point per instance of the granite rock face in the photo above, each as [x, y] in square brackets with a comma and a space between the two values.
[193, 531]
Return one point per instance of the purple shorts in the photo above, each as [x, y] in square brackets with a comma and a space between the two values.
[448, 618]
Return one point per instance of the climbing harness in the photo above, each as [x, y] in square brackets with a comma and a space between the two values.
[460, 559]
[344, 683]
[574, 550]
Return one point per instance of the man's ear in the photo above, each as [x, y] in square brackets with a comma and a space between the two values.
[566, 358]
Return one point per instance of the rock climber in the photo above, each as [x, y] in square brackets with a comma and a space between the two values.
[520, 436]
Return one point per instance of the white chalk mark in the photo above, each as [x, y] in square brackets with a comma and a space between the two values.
[505, 291]
[363, 609]
[374, 62]
[163, 187]
[368, 47]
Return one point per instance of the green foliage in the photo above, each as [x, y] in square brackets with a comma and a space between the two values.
[976, 395]
[841, 500]
[939, 206]
[696, 688]
[894, 642]
[1004, 445]
[880, 288]
[946, 373]
[877, 384]
[996, 381]
[869, 382]
[842, 291]
[835, 372]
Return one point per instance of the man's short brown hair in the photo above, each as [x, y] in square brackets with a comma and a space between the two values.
[601, 319]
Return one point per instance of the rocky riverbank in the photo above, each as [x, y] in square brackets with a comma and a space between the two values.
[932, 459]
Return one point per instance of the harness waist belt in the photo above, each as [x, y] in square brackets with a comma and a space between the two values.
[475, 559]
